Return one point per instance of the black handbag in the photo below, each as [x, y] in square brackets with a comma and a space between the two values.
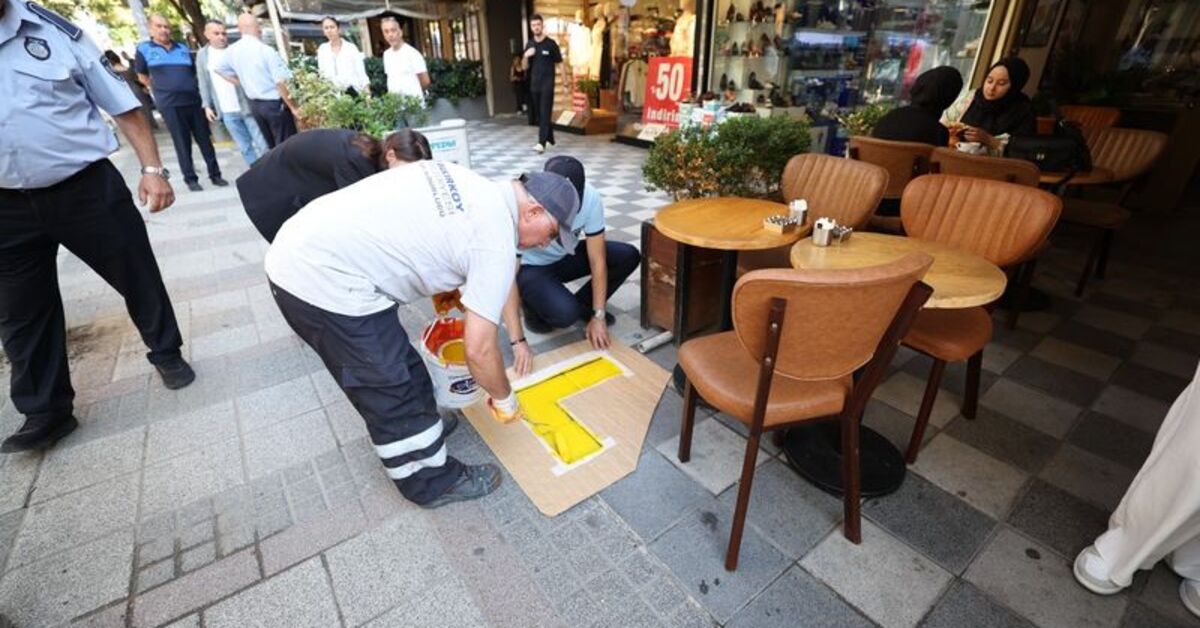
[1064, 151]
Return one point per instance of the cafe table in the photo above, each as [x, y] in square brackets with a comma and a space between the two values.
[959, 280]
[726, 224]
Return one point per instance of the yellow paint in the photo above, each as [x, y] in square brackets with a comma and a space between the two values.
[453, 352]
[566, 436]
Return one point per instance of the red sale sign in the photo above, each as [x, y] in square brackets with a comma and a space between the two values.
[668, 81]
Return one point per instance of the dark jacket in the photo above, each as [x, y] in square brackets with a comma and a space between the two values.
[304, 167]
[930, 94]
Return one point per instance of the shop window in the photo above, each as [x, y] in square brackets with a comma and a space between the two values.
[433, 30]
[1160, 36]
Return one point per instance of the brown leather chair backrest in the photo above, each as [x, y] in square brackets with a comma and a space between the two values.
[902, 160]
[1128, 153]
[834, 318]
[843, 189]
[950, 161]
[1091, 120]
[1001, 222]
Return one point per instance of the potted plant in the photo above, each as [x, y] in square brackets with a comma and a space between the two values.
[323, 105]
[457, 89]
[591, 89]
[862, 120]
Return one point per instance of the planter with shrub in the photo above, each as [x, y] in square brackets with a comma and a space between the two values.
[457, 89]
[323, 105]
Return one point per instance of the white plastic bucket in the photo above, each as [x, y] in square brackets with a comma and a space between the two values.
[453, 385]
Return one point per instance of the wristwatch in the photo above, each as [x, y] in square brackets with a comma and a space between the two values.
[598, 314]
[159, 171]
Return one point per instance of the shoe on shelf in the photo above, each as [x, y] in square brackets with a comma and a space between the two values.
[175, 373]
[1189, 594]
[1092, 572]
[219, 182]
[195, 186]
[539, 148]
[752, 82]
[39, 433]
[476, 481]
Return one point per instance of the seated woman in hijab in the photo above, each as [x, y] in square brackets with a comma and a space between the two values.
[996, 111]
[930, 95]
[315, 163]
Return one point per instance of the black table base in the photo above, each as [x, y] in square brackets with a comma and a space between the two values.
[1035, 300]
[814, 451]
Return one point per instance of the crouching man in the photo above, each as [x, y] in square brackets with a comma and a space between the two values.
[339, 267]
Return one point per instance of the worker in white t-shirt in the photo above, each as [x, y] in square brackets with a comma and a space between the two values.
[339, 267]
[404, 66]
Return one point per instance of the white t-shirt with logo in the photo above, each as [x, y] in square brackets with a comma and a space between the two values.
[402, 67]
[227, 97]
[398, 236]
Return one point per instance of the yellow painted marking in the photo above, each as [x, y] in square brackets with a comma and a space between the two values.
[566, 436]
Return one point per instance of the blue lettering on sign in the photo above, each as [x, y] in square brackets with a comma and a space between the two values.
[443, 144]
[463, 386]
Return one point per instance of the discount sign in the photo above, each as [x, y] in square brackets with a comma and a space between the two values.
[668, 81]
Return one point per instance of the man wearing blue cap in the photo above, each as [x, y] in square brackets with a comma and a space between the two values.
[339, 267]
[545, 300]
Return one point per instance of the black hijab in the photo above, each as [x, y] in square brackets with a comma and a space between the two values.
[1012, 113]
[936, 89]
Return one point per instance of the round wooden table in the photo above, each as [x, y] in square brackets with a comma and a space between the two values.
[959, 280]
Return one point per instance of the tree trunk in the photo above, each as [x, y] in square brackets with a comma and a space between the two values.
[190, 11]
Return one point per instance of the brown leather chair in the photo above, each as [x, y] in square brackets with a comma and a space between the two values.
[1091, 119]
[1001, 222]
[847, 191]
[1128, 154]
[804, 333]
[902, 160]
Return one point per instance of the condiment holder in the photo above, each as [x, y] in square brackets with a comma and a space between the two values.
[826, 231]
[780, 224]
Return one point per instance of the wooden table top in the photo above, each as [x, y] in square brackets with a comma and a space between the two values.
[725, 223]
[959, 279]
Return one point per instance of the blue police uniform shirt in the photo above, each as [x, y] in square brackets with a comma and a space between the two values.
[589, 221]
[172, 73]
[52, 80]
[257, 66]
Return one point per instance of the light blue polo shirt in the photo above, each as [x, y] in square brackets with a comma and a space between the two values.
[589, 222]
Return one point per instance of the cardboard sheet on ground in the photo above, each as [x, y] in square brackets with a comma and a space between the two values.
[589, 412]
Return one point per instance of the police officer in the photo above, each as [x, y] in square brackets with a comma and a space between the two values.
[57, 187]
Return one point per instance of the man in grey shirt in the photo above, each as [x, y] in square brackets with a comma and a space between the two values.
[223, 100]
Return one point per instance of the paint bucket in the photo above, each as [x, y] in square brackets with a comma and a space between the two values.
[445, 357]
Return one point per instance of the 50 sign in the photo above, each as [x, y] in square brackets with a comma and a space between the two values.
[670, 79]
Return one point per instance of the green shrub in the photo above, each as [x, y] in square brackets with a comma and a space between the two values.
[744, 157]
[455, 80]
[376, 75]
[323, 105]
[862, 120]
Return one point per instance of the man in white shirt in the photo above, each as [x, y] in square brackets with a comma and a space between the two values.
[339, 267]
[404, 66]
[223, 100]
[263, 75]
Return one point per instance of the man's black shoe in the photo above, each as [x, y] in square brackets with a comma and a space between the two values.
[195, 186]
[476, 481]
[219, 182]
[175, 373]
[39, 433]
[534, 323]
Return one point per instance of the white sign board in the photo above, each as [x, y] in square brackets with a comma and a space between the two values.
[448, 141]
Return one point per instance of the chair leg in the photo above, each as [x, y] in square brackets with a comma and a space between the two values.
[1105, 245]
[1024, 278]
[1093, 256]
[851, 480]
[931, 390]
[689, 418]
[743, 500]
[971, 393]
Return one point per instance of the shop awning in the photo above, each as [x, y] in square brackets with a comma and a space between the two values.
[356, 9]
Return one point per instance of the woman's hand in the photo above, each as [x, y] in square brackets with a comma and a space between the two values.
[975, 134]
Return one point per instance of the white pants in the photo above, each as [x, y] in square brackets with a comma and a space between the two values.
[1160, 513]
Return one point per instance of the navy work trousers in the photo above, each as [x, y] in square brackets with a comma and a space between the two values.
[186, 124]
[542, 288]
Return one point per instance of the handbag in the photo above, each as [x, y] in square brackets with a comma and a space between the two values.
[1064, 151]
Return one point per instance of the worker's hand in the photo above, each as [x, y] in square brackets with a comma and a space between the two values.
[505, 410]
[522, 358]
[443, 302]
[529, 52]
[155, 192]
[597, 333]
[210, 113]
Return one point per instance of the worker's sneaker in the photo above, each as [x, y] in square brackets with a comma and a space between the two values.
[39, 432]
[539, 148]
[175, 373]
[194, 186]
[1092, 572]
[476, 481]
[1189, 594]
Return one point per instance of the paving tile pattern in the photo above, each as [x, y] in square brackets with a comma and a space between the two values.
[253, 497]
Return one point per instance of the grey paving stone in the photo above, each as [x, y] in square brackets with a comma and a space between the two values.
[1058, 381]
[940, 525]
[556, 580]
[282, 401]
[655, 496]
[1166, 359]
[904, 392]
[310, 538]
[1032, 580]
[980, 480]
[1185, 341]
[1058, 519]
[1161, 594]
[17, 472]
[666, 356]
[865, 575]
[892, 424]
[70, 584]
[297, 597]
[10, 523]
[1149, 382]
[233, 534]
[346, 422]
[1032, 407]
[1141, 616]
[717, 455]
[639, 568]
[1112, 440]
[663, 594]
[798, 599]
[76, 518]
[190, 477]
[280, 445]
[195, 512]
[71, 468]
[195, 590]
[184, 433]
[1096, 480]
[198, 556]
[156, 574]
[157, 527]
[694, 550]
[966, 605]
[786, 510]
[691, 616]
[1004, 439]
[665, 423]
[955, 377]
[156, 550]
[447, 604]
[1120, 323]
[1081, 359]
[579, 609]
[1092, 338]
[1131, 408]
[197, 533]
[191, 621]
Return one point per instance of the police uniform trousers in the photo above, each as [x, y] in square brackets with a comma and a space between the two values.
[1160, 512]
[385, 379]
[92, 214]
[188, 123]
[274, 120]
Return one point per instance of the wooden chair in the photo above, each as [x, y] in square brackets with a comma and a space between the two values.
[1128, 154]
[847, 191]
[804, 333]
[1019, 171]
[1001, 222]
[1091, 119]
[903, 162]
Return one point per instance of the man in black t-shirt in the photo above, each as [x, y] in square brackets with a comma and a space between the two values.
[541, 58]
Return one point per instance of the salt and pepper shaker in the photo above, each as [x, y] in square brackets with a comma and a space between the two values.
[799, 211]
[822, 231]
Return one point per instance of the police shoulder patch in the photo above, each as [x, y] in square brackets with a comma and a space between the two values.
[111, 70]
[56, 20]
